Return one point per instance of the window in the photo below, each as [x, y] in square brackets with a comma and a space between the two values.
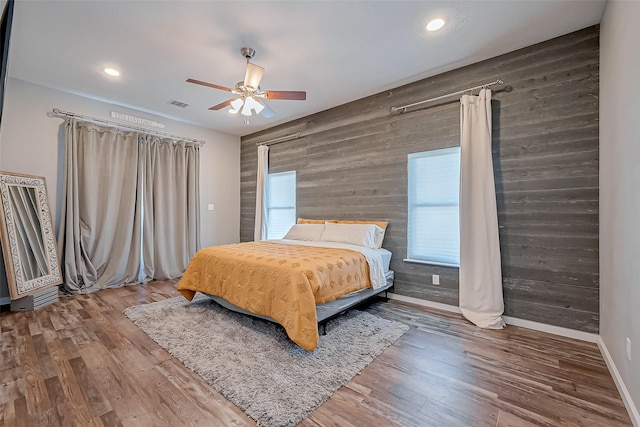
[434, 193]
[281, 203]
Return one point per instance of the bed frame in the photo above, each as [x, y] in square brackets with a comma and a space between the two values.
[329, 310]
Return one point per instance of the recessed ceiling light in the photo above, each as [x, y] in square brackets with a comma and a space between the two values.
[435, 24]
[112, 72]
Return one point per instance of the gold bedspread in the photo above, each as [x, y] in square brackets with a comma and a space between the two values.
[281, 281]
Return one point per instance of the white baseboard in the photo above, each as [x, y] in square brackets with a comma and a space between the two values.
[556, 330]
[622, 388]
[536, 326]
[5, 301]
[425, 303]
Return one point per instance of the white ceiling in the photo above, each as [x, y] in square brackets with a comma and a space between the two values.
[338, 51]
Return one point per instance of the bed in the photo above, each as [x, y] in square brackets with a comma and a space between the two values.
[316, 272]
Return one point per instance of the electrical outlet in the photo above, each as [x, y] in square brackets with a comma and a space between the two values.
[211, 206]
[435, 279]
[628, 348]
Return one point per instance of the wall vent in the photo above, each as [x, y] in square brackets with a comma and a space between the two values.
[178, 103]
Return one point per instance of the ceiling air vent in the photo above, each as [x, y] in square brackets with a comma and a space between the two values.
[178, 103]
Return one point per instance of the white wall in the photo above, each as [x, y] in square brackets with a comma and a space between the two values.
[620, 190]
[31, 143]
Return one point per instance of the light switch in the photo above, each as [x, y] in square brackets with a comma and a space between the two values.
[435, 279]
[211, 207]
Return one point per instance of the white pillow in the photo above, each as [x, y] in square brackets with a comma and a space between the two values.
[353, 234]
[379, 236]
[308, 232]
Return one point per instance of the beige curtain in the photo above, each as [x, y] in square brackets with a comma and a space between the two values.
[481, 299]
[99, 234]
[171, 205]
[260, 231]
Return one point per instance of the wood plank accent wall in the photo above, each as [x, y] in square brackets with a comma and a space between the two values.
[351, 163]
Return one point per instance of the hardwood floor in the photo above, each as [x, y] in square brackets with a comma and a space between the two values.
[81, 362]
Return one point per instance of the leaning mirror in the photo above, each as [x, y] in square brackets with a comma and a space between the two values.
[28, 242]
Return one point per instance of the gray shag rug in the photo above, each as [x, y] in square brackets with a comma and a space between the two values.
[254, 364]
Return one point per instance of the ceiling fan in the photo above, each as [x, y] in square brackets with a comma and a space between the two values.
[249, 95]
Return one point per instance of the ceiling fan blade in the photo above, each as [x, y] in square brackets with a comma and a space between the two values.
[253, 76]
[199, 82]
[295, 95]
[267, 112]
[222, 104]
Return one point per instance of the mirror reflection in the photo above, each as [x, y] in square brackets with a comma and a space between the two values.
[24, 205]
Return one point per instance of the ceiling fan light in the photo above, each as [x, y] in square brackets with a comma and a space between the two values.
[236, 104]
[246, 110]
[253, 76]
[252, 104]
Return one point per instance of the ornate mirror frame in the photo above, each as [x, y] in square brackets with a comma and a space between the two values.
[12, 231]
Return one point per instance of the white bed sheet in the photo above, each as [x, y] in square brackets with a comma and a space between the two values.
[378, 259]
[386, 259]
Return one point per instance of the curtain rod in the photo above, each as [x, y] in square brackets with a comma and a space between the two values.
[58, 112]
[280, 139]
[403, 108]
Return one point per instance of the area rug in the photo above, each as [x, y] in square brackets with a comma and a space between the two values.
[253, 363]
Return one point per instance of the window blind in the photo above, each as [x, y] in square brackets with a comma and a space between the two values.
[434, 193]
[281, 203]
